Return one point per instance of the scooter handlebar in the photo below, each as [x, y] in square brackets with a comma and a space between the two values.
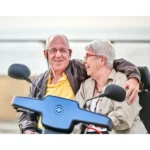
[60, 114]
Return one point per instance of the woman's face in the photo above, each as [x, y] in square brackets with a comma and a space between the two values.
[92, 62]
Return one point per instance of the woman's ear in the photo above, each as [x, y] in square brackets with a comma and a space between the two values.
[103, 62]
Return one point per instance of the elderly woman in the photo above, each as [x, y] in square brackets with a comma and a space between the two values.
[98, 62]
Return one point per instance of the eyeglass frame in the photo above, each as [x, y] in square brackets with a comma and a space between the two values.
[49, 50]
[88, 55]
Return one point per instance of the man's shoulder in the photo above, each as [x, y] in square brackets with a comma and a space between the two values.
[40, 77]
[76, 64]
[76, 61]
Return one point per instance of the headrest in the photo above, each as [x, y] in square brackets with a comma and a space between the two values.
[145, 77]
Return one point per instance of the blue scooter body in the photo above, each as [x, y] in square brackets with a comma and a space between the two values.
[60, 114]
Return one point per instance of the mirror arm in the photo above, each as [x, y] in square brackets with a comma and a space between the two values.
[102, 95]
[30, 81]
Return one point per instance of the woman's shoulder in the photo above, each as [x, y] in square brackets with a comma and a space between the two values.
[120, 78]
[121, 75]
[88, 83]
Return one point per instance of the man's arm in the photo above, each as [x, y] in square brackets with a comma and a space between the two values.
[128, 68]
[134, 78]
[27, 121]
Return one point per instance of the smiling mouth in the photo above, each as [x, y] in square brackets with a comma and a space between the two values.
[87, 67]
[58, 61]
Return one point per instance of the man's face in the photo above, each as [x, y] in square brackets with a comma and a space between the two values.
[58, 53]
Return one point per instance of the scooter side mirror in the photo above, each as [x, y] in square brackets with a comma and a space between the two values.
[19, 71]
[114, 92]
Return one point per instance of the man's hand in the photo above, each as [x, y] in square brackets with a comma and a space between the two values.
[132, 87]
[30, 132]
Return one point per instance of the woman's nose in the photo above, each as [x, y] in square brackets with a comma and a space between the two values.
[84, 61]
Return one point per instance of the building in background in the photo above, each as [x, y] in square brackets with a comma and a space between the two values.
[22, 40]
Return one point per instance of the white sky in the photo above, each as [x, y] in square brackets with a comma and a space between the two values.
[56, 21]
[75, 27]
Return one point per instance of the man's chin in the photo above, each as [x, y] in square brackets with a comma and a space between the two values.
[59, 68]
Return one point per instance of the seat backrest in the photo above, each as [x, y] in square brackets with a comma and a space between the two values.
[145, 97]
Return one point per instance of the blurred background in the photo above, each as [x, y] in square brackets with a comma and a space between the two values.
[22, 40]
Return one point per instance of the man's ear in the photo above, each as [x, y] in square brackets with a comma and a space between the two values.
[46, 54]
[70, 52]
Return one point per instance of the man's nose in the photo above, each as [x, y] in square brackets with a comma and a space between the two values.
[58, 54]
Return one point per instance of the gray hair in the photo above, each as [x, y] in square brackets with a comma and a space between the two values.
[48, 40]
[103, 48]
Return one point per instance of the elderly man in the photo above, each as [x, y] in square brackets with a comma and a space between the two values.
[64, 77]
[98, 62]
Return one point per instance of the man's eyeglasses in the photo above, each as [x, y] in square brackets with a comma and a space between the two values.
[61, 50]
[88, 55]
